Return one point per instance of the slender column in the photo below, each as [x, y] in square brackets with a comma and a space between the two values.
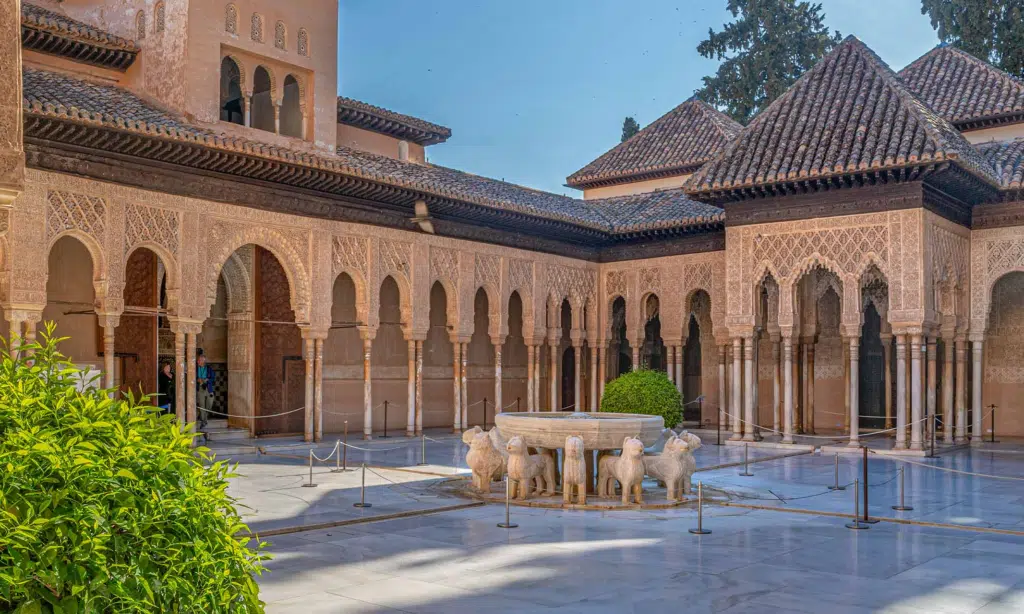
[419, 386]
[456, 387]
[464, 375]
[410, 414]
[901, 392]
[670, 371]
[976, 383]
[737, 380]
[755, 388]
[30, 327]
[636, 356]
[931, 391]
[553, 376]
[538, 376]
[530, 378]
[602, 371]
[748, 386]
[277, 118]
[680, 374]
[14, 339]
[846, 386]
[108, 357]
[947, 389]
[721, 387]
[809, 380]
[180, 369]
[916, 406]
[961, 389]
[594, 354]
[190, 382]
[854, 415]
[367, 389]
[577, 355]
[887, 370]
[308, 352]
[776, 384]
[806, 385]
[318, 386]
[787, 392]
[497, 378]
[727, 400]
[248, 110]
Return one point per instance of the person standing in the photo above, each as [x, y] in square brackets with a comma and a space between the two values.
[165, 389]
[204, 389]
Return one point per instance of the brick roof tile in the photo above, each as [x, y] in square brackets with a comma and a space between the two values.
[363, 115]
[1007, 158]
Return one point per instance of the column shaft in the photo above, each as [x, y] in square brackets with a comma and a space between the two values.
[722, 406]
[602, 372]
[680, 373]
[593, 378]
[736, 409]
[787, 389]
[577, 397]
[947, 390]
[887, 370]
[530, 378]
[497, 379]
[749, 382]
[854, 414]
[180, 370]
[456, 387]
[916, 405]
[318, 389]
[809, 380]
[901, 392]
[464, 375]
[410, 413]
[961, 389]
[976, 384]
[846, 386]
[931, 391]
[553, 376]
[419, 386]
[776, 385]
[108, 357]
[190, 382]
[367, 390]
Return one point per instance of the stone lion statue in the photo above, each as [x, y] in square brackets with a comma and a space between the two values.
[669, 467]
[689, 464]
[627, 469]
[487, 463]
[525, 470]
[574, 471]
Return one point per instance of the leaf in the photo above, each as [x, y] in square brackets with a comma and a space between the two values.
[124, 473]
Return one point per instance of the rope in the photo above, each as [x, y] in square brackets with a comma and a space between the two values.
[348, 445]
[285, 413]
[832, 438]
[509, 405]
[329, 454]
[695, 401]
[947, 469]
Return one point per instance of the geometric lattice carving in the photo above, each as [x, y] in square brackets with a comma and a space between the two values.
[615, 283]
[256, 28]
[140, 25]
[395, 257]
[844, 246]
[577, 284]
[69, 211]
[303, 42]
[349, 254]
[149, 224]
[279, 35]
[444, 264]
[650, 280]
[160, 19]
[231, 19]
[1004, 347]
[699, 275]
[488, 270]
[1005, 255]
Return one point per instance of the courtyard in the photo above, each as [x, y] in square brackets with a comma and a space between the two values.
[778, 542]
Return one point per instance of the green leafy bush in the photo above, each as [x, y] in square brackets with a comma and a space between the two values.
[644, 392]
[106, 507]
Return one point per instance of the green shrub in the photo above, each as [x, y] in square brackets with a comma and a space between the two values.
[644, 392]
[105, 507]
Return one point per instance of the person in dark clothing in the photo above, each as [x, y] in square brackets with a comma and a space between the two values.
[166, 389]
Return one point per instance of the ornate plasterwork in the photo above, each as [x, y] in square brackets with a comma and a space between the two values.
[615, 284]
[487, 271]
[1004, 347]
[994, 253]
[572, 283]
[650, 280]
[395, 258]
[69, 211]
[349, 255]
[151, 225]
[520, 277]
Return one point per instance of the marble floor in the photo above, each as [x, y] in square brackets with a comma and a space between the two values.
[625, 561]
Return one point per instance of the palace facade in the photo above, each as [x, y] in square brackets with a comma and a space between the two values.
[182, 177]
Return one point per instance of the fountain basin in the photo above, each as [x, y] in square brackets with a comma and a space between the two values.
[599, 431]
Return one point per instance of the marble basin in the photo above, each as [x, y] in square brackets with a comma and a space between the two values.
[600, 431]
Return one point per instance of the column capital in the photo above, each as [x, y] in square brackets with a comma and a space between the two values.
[367, 333]
[498, 340]
[185, 325]
[311, 332]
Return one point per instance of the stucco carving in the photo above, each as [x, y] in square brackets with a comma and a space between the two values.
[488, 271]
[572, 283]
[615, 284]
[70, 211]
[349, 254]
[151, 225]
[994, 253]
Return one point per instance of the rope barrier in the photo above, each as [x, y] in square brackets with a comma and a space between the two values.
[348, 445]
[833, 437]
[285, 413]
[329, 454]
[947, 469]
[509, 405]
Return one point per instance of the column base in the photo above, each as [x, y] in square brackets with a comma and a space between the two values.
[854, 443]
[788, 440]
[736, 437]
[916, 447]
[410, 433]
[367, 436]
[748, 437]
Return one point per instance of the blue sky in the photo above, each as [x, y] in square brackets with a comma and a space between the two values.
[535, 89]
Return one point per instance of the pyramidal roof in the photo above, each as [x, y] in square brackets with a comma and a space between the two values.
[849, 113]
[963, 89]
[677, 142]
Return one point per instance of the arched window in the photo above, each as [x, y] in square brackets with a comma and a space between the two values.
[140, 25]
[256, 31]
[231, 105]
[160, 17]
[303, 42]
[291, 111]
[279, 35]
[262, 115]
[231, 19]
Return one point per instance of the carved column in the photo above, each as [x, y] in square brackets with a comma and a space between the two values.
[931, 390]
[456, 386]
[248, 109]
[737, 393]
[32, 319]
[809, 382]
[108, 355]
[901, 392]
[180, 401]
[916, 405]
[853, 415]
[776, 383]
[367, 335]
[553, 375]
[593, 378]
[577, 350]
[410, 414]
[846, 387]
[748, 387]
[308, 355]
[419, 386]
[538, 376]
[12, 157]
[722, 406]
[806, 383]
[947, 388]
[464, 379]
[887, 370]
[497, 376]
[636, 355]
[961, 389]
[602, 371]
[190, 379]
[14, 338]
[976, 384]
[277, 118]
[318, 388]
[530, 378]
[787, 389]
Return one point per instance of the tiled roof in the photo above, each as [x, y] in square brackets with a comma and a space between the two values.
[963, 89]
[849, 113]
[368, 117]
[63, 96]
[654, 210]
[1007, 158]
[677, 142]
[50, 32]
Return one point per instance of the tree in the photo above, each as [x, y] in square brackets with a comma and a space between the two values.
[765, 50]
[629, 128]
[992, 30]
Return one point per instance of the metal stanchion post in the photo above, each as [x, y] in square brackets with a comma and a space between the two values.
[423, 449]
[310, 484]
[337, 458]
[700, 530]
[836, 486]
[508, 524]
[992, 439]
[385, 435]
[517, 403]
[344, 455]
[746, 462]
[902, 507]
[935, 427]
[718, 434]
[362, 492]
[856, 524]
[866, 519]
[485, 413]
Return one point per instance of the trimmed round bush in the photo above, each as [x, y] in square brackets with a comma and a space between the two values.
[644, 392]
[106, 507]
